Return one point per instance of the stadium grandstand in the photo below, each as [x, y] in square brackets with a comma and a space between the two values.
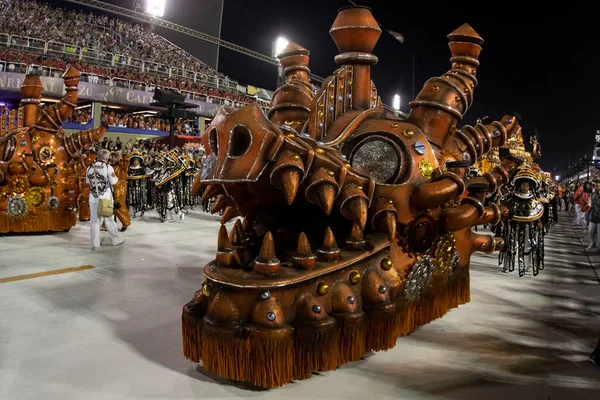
[121, 62]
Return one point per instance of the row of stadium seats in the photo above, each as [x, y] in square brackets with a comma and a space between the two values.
[19, 61]
[96, 39]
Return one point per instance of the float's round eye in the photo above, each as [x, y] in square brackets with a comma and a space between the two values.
[377, 157]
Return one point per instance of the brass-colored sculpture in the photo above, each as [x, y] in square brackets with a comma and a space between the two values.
[39, 187]
[357, 224]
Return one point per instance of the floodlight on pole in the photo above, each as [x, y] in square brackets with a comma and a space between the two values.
[396, 102]
[557, 178]
[280, 44]
[156, 8]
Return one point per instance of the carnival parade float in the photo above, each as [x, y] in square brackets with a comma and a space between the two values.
[356, 223]
[39, 185]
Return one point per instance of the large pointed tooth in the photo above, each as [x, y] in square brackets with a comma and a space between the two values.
[226, 256]
[239, 232]
[267, 262]
[356, 239]
[304, 257]
[356, 210]
[290, 179]
[267, 250]
[325, 194]
[303, 247]
[221, 203]
[387, 224]
[329, 239]
[385, 217]
[288, 171]
[234, 237]
[230, 213]
[223, 242]
[247, 225]
[329, 251]
[356, 233]
[211, 191]
[354, 204]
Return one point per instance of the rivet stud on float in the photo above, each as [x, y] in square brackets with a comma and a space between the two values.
[354, 277]
[207, 289]
[386, 264]
[322, 288]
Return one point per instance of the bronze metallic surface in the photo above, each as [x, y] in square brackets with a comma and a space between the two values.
[342, 255]
[40, 161]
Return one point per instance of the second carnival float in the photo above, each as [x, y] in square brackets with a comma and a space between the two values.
[353, 225]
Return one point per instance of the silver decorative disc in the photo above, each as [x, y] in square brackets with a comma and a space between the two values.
[52, 202]
[17, 207]
[418, 278]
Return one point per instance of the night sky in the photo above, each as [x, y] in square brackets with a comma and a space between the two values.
[540, 62]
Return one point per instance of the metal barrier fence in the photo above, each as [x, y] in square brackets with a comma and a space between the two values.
[10, 66]
[107, 59]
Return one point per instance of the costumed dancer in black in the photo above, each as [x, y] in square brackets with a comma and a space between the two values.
[187, 181]
[545, 196]
[169, 191]
[137, 187]
[523, 232]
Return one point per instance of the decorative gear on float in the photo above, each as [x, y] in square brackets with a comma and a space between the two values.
[426, 168]
[418, 278]
[17, 207]
[35, 196]
[52, 202]
[444, 255]
[20, 183]
[45, 155]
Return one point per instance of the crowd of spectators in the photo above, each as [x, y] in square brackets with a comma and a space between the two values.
[124, 119]
[93, 31]
[101, 75]
[99, 33]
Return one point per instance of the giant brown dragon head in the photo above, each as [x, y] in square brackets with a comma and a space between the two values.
[356, 223]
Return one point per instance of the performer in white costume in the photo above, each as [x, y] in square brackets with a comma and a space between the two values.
[101, 177]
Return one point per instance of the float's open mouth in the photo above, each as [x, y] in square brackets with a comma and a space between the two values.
[275, 231]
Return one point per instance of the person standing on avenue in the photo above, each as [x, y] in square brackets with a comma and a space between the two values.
[101, 178]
